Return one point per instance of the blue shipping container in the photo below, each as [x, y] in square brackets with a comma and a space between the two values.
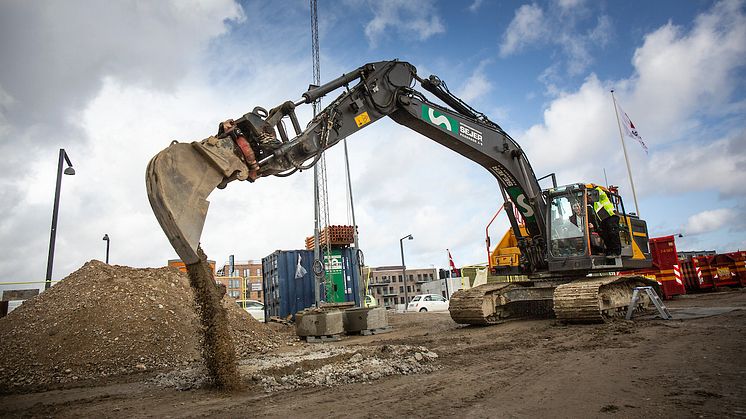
[288, 281]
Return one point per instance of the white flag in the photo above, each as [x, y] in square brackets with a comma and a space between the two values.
[630, 129]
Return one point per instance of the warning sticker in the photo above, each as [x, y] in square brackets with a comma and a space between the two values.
[362, 119]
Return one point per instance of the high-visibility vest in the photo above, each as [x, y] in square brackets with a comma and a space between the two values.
[603, 203]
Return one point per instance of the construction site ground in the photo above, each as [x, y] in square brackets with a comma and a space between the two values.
[428, 366]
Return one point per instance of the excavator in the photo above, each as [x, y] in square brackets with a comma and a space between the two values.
[561, 271]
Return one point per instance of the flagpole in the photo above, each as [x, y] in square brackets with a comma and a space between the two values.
[624, 147]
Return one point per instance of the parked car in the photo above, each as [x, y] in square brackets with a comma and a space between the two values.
[428, 302]
[253, 307]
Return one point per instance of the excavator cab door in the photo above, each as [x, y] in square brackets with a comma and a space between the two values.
[568, 225]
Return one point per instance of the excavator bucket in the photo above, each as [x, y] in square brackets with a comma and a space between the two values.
[179, 180]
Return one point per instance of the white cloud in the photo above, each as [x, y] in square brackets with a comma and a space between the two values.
[681, 74]
[476, 86]
[556, 26]
[62, 50]
[405, 17]
[570, 4]
[708, 221]
[528, 26]
[474, 7]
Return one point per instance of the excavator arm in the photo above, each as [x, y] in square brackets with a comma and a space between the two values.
[181, 177]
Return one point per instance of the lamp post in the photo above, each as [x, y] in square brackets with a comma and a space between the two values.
[404, 269]
[53, 235]
[106, 239]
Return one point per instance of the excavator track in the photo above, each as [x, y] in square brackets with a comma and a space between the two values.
[496, 302]
[595, 300]
[586, 300]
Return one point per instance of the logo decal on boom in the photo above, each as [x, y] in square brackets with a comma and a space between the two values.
[443, 121]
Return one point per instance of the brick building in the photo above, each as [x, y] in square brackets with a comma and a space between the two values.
[245, 282]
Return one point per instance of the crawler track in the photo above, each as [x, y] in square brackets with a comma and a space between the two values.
[595, 300]
[496, 302]
[585, 300]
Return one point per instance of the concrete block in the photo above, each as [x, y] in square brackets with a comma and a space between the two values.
[319, 323]
[358, 319]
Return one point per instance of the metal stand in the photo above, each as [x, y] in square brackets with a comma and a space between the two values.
[653, 297]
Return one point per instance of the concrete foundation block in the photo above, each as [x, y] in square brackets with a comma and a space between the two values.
[319, 324]
[358, 319]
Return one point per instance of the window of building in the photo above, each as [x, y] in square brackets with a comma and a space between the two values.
[401, 300]
[419, 277]
[411, 277]
[401, 288]
[409, 288]
[431, 276]
[400, 278]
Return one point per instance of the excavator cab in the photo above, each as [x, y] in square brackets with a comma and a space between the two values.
[574, 235]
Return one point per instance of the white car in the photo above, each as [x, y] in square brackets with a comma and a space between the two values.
[253, 307]
[428, 302]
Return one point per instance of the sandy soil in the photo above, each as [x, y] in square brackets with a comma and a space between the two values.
[692, 366]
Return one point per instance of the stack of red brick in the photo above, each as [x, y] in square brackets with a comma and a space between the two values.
[336, 235]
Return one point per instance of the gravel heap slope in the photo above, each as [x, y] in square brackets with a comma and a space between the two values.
[107, 321]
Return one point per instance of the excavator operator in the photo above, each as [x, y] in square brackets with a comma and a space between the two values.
[609, 226]
[577, 219]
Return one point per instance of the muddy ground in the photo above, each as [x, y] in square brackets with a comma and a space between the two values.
[693, 366]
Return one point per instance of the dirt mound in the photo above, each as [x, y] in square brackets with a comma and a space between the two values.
[105, 321]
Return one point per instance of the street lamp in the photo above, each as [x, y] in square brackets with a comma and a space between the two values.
[68, 171]
[404, 269]
[106, 239]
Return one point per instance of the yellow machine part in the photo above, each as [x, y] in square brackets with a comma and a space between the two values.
[506, 253]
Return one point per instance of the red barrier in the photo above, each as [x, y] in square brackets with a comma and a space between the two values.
[665, 268]
[692, 276]
[724, 269]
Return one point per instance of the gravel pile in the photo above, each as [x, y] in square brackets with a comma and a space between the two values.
[105, 321]
[315, 366]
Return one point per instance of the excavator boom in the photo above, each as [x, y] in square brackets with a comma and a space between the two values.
[180, 178]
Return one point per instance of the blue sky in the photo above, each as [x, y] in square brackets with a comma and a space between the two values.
[115, 90]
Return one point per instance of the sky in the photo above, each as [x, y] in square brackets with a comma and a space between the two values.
[113, 83]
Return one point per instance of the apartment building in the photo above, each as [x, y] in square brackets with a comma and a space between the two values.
[245, 282]
[387, 284]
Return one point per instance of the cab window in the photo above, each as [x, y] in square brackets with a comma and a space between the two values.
[567, 225]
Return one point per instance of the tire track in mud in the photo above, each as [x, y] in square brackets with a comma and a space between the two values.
[217, 344]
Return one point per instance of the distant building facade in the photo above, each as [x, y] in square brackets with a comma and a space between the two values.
[387, 286]
[245, 282]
